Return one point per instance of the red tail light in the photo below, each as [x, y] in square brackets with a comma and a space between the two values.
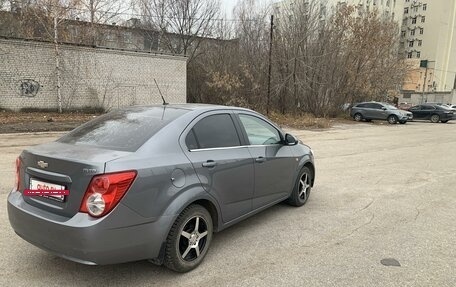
[18, 170]
[105, 191]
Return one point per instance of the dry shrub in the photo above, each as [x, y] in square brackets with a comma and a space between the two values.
[304, 121]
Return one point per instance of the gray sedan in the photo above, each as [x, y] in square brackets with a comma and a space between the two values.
[155, 183]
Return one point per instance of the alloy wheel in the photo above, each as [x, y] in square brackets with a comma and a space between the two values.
[304, 187]
[435, 118]
[392, 119]
[193, 238]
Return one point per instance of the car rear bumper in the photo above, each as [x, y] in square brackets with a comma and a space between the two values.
[120, 236]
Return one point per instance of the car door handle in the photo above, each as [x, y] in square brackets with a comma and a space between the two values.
[209, 164]
[260, 159]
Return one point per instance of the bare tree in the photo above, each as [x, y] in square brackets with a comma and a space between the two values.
[42, 19]
[183, 24]
[103, 11]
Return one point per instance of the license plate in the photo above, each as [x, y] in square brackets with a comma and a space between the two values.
[41, 185]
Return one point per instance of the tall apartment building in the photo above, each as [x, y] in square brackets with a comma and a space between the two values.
[429, 33]
[388, 8]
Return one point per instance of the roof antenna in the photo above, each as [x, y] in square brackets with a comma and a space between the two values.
[164, 102]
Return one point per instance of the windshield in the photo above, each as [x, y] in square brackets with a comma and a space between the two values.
[124, 130]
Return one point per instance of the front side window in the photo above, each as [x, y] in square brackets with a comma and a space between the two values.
[213, 131]
[258, 131]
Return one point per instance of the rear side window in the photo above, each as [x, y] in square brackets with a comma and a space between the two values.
[124, 130]
[212, 132]
[190, 141]
[361, 105]
[374, 106]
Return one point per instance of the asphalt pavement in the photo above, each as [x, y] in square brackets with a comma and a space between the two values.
[384, 195]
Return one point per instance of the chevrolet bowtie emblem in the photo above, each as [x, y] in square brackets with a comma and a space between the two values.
[43, 164]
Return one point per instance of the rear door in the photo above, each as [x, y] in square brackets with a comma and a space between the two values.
[376, 111]
[274, 163]
[223, 164]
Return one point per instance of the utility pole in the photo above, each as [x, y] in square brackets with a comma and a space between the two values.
[424, 85]
[57, 64]
[424, 64]
[268, 99]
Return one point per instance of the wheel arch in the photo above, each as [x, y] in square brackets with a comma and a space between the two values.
[179, 204]
[211, 208]
[359, 113]
[311, 167]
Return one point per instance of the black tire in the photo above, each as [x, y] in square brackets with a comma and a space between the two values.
[299, 196]
[402, 122]
[187, 244]
[444, 122]
[358, 117]
[435, 118]
[392, 119]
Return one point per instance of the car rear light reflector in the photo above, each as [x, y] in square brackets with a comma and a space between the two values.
[105, 191]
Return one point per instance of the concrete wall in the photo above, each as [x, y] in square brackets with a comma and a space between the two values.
[91, 77]
[437, 97]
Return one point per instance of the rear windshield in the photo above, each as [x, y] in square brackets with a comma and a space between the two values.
[124, 130]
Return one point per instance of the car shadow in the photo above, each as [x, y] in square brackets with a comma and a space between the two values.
[144, 272]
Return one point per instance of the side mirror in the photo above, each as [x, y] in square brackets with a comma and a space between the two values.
[290, 140]
[383, 108]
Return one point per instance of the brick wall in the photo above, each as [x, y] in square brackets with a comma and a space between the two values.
[90, 77]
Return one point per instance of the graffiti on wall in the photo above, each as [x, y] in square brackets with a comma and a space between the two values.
[28, 88]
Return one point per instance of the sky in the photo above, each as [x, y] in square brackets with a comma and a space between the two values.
[228, 5]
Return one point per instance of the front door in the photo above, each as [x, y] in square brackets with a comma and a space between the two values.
[224, 167]
[274, 162]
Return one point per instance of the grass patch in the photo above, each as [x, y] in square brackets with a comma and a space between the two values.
[305, 121]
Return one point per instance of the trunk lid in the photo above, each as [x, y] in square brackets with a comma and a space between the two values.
[67, 166]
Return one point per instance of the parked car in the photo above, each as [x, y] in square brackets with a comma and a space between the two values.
[379, 111]
[434, 113]
[155, 183]
[404, 106]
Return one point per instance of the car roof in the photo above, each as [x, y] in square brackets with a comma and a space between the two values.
[189, 107]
